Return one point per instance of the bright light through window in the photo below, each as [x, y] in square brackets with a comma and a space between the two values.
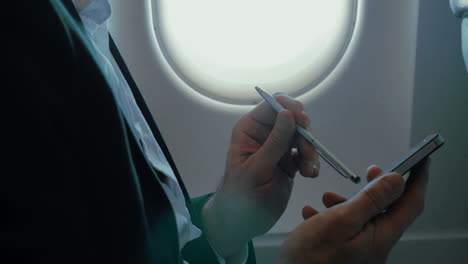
[223, 48]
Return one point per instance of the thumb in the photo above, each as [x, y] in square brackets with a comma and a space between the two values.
[374, 198]
[279, 139]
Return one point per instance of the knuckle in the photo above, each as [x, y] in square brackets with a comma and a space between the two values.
[375, 199]
[291, 102]
[333, 219]
[329, 224]
[276, 139]
[235, 130]
[339, 218]
[236, 126]
[298, 105]
[393, 184]
[286, 126]
[342, 222]
[306, 120]
[239, 125]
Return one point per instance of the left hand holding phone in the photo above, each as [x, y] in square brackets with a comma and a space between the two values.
[354, 230]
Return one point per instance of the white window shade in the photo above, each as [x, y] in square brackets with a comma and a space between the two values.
[222, 49]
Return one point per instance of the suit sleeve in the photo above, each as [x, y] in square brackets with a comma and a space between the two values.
[75, 192]
[199, 250]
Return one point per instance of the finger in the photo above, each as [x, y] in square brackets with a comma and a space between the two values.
[252, 129]
[411, 204]
[307, 160]
[295, 106]
[288, 165]
[266, 115]
[362, 244]
[331, 199]
[375, 197]
[279, 140]
[308, 212]
[372, 172]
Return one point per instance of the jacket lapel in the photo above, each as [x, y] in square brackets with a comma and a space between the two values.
[118, 207]
[147, 114]
[139, 100]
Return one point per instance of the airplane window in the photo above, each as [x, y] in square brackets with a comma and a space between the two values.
[222, 49]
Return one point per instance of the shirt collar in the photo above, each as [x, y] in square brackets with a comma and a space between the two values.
[95, 14]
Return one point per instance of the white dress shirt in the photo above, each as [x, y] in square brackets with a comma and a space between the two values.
[94, 17]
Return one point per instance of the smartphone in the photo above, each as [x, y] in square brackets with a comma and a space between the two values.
[423, 149]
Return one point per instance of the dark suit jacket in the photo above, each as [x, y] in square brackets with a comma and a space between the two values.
[82, 191]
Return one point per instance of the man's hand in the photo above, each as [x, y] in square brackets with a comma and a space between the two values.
[363, 229]
[264, 155]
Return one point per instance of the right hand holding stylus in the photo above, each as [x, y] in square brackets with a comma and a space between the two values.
[356, 230]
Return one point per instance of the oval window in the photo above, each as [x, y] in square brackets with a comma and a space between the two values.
[223, 48]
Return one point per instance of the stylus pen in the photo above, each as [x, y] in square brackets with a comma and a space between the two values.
[321, 150]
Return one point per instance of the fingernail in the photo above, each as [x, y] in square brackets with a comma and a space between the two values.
[315, 171]
[371, 166]
[312, 168]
